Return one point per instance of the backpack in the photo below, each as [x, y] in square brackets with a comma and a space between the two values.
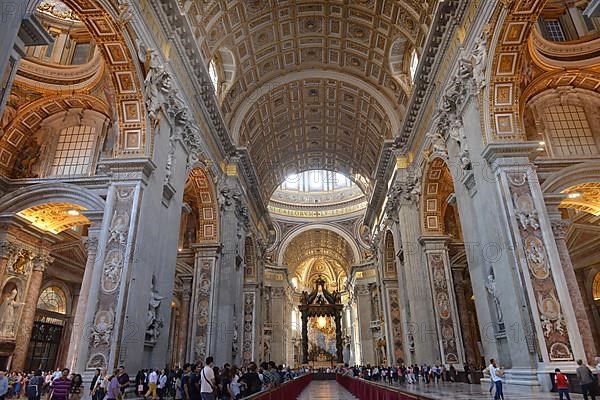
[33, 387]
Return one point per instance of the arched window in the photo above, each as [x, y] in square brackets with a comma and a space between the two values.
[53, 299]
[74, 151]
[569, 131]
[414, 63]
[596, 287]
[214, 76]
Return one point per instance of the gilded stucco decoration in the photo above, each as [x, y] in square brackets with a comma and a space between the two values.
[437, 187]
[318, 243]
[55, 217]
[312, 124]
[202, 224]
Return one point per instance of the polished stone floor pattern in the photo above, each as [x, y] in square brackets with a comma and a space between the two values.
[463, 391]
[325, 390]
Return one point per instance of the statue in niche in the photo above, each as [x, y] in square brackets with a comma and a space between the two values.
[154, 323]
[490, 285]
[8, 313]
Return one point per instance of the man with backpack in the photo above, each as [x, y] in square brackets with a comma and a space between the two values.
[34, 386]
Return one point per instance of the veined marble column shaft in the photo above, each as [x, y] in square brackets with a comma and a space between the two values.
[560, 228]
[40, 263]
[182, 329]
[463, 315]
[363, 308]
[91, 243]
[229, 276]
[440, 277]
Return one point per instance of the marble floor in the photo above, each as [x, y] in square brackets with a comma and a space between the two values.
[463, 391]
[325, 390]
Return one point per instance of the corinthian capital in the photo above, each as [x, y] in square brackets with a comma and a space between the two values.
[41, 262]
[8, 248]
[90, 243]
[407, 190]
[560, 227]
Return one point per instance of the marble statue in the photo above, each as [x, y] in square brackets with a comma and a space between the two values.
[8, 313]
[438, 143]
[479, 61]
[490, 285]
[154, 323]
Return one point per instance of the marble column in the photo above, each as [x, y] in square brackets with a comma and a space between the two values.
[229, 277]
[40, 263]
[202, 332]
[560, 227]
[444, 301]
[542, 291]
[279, 324]
[421, 328]
[91, 244]
[182, 329]
[588, 303]
[463, 315]
[363, 308]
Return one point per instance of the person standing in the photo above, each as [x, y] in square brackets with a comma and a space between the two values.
[3, 385]
[562, 384]
[123, 379]
[152, 384]
[207, 380]
[586, 379]
[113, 391]
[162, 384]
[496, 377]
[76, 389]
[61, 386]
[98, 389]
[34, 386]
[94, 382]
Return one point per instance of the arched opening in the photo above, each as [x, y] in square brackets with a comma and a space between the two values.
[49, 329]
[441, 218]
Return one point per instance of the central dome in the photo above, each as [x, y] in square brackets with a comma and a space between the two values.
[317, 193]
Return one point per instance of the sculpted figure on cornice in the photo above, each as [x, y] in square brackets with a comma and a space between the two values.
[160, 92]
[479, 58]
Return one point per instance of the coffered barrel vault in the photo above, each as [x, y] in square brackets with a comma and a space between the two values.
[314, 124]
[278, 102]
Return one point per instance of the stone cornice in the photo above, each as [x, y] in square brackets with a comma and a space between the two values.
[446, 20]
[176, 25]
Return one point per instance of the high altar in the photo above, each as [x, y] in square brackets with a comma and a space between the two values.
[322, 307]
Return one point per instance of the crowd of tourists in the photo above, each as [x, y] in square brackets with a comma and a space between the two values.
[55, 385]
[206, 381]
[199, 381]
[406, 374]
